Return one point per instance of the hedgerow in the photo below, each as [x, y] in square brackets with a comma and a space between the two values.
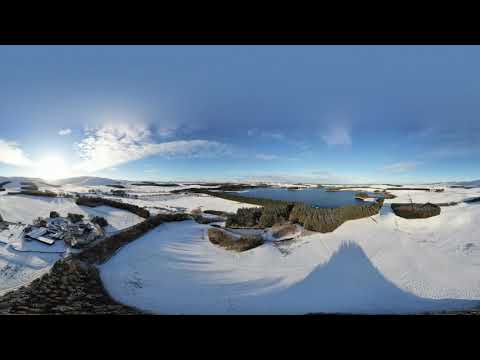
[98, 201]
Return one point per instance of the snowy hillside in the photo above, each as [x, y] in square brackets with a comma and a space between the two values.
[382, 264]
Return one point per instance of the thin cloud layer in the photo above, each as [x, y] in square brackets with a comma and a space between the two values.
[401, 167]
[337, 136]
[275, 135]
[65, 132]
[293, 178]
[113, 145]
[266, 157]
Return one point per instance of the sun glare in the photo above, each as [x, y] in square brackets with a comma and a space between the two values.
[52, 167]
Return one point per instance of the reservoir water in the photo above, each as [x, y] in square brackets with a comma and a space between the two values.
[316, 197]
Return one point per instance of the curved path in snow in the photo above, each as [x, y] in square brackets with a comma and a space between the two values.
[390, 265]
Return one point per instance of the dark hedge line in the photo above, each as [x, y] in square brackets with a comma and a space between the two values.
[34, 193]
[102, 251]
[216, 212]
[155, 184]
[424, 189]
[187, 190]
[221, 187]
[98, 201]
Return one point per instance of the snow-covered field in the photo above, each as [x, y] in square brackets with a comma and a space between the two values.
[22, 261]
[382, 264]
[421, 196]
[24, 208]
[184, 202]
[19, 265]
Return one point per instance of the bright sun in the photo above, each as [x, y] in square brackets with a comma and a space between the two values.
[52, 167]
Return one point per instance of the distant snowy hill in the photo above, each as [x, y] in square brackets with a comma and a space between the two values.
[86, 181]
[15, 182]
[473, 183]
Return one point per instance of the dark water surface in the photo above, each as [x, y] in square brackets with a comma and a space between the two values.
[316, 197]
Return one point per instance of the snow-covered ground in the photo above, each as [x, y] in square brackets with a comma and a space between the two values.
[449, 195]
[22, 261]
[382, 264]
[204, 202]
[24, 208]
[19, 268]
[184, 203]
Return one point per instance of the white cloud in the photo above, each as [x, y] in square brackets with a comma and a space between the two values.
[64, 132]
[266, 157]
[166, 132]
[338, 136]
[313, 177]
[276, 135]
[12, 154]
[112, 145]
[266, 134]
[401, 167]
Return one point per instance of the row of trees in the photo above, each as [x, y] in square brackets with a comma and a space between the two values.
[328, 219]
[46, 193]
[320, 220]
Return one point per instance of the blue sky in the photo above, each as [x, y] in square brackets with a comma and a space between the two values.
[341, 114]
